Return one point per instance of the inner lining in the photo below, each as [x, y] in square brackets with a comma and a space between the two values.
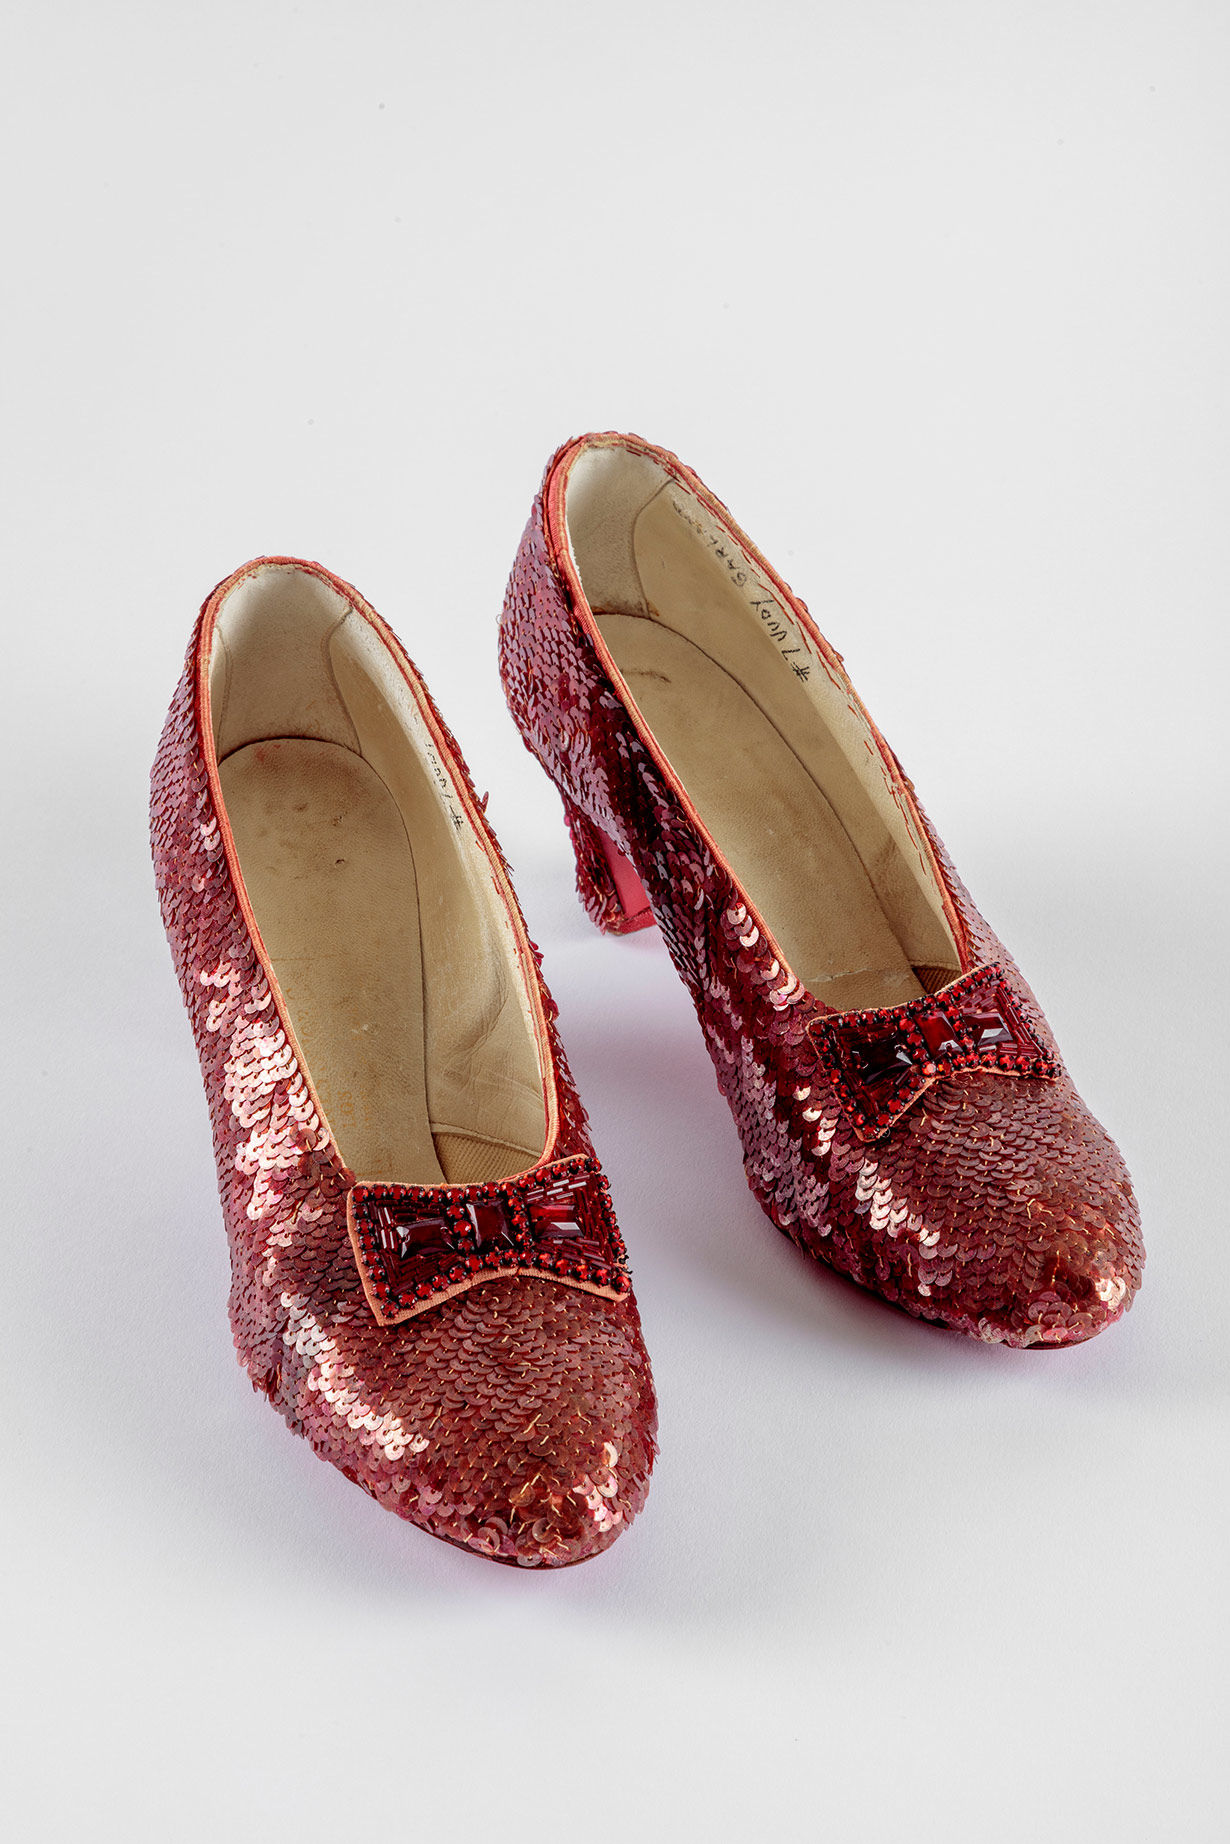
[375, 900]
[331, 878]
[778, 759]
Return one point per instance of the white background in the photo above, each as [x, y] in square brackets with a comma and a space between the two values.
[936, 297]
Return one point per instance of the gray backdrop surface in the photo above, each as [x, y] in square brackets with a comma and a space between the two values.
[936, 298]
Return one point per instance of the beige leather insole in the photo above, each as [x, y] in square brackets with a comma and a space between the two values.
[767, 815]
[330, 875]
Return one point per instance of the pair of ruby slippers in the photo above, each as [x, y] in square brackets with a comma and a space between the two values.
[428, 1278]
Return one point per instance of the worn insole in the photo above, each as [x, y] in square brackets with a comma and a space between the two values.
[767, 815]
[330, 875]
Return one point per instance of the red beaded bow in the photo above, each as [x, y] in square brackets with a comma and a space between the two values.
[881, 1061]
[417, 1244]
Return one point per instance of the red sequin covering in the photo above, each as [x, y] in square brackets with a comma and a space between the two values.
[516, 1416]
[985, 1196]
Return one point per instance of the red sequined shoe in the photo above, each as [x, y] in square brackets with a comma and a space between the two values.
[904, 1113]
[428, 1281]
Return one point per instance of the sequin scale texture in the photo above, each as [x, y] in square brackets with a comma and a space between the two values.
[991, 1203]
[516, 1416]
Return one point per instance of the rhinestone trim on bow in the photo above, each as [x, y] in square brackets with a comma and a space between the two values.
[881, 1061]
[417, 1244]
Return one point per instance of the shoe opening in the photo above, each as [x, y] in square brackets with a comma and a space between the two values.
[763, 731]
[372, 890]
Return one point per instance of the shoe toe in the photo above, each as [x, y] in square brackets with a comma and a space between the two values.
[1077, 1272]
[1027, 1227]
[516, 1420]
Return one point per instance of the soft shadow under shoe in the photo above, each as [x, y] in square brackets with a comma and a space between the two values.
[904, 1111]
[427, 1277]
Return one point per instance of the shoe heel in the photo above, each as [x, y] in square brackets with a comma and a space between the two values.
[610, 890]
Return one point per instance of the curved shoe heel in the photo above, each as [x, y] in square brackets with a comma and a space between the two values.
[610, 890]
